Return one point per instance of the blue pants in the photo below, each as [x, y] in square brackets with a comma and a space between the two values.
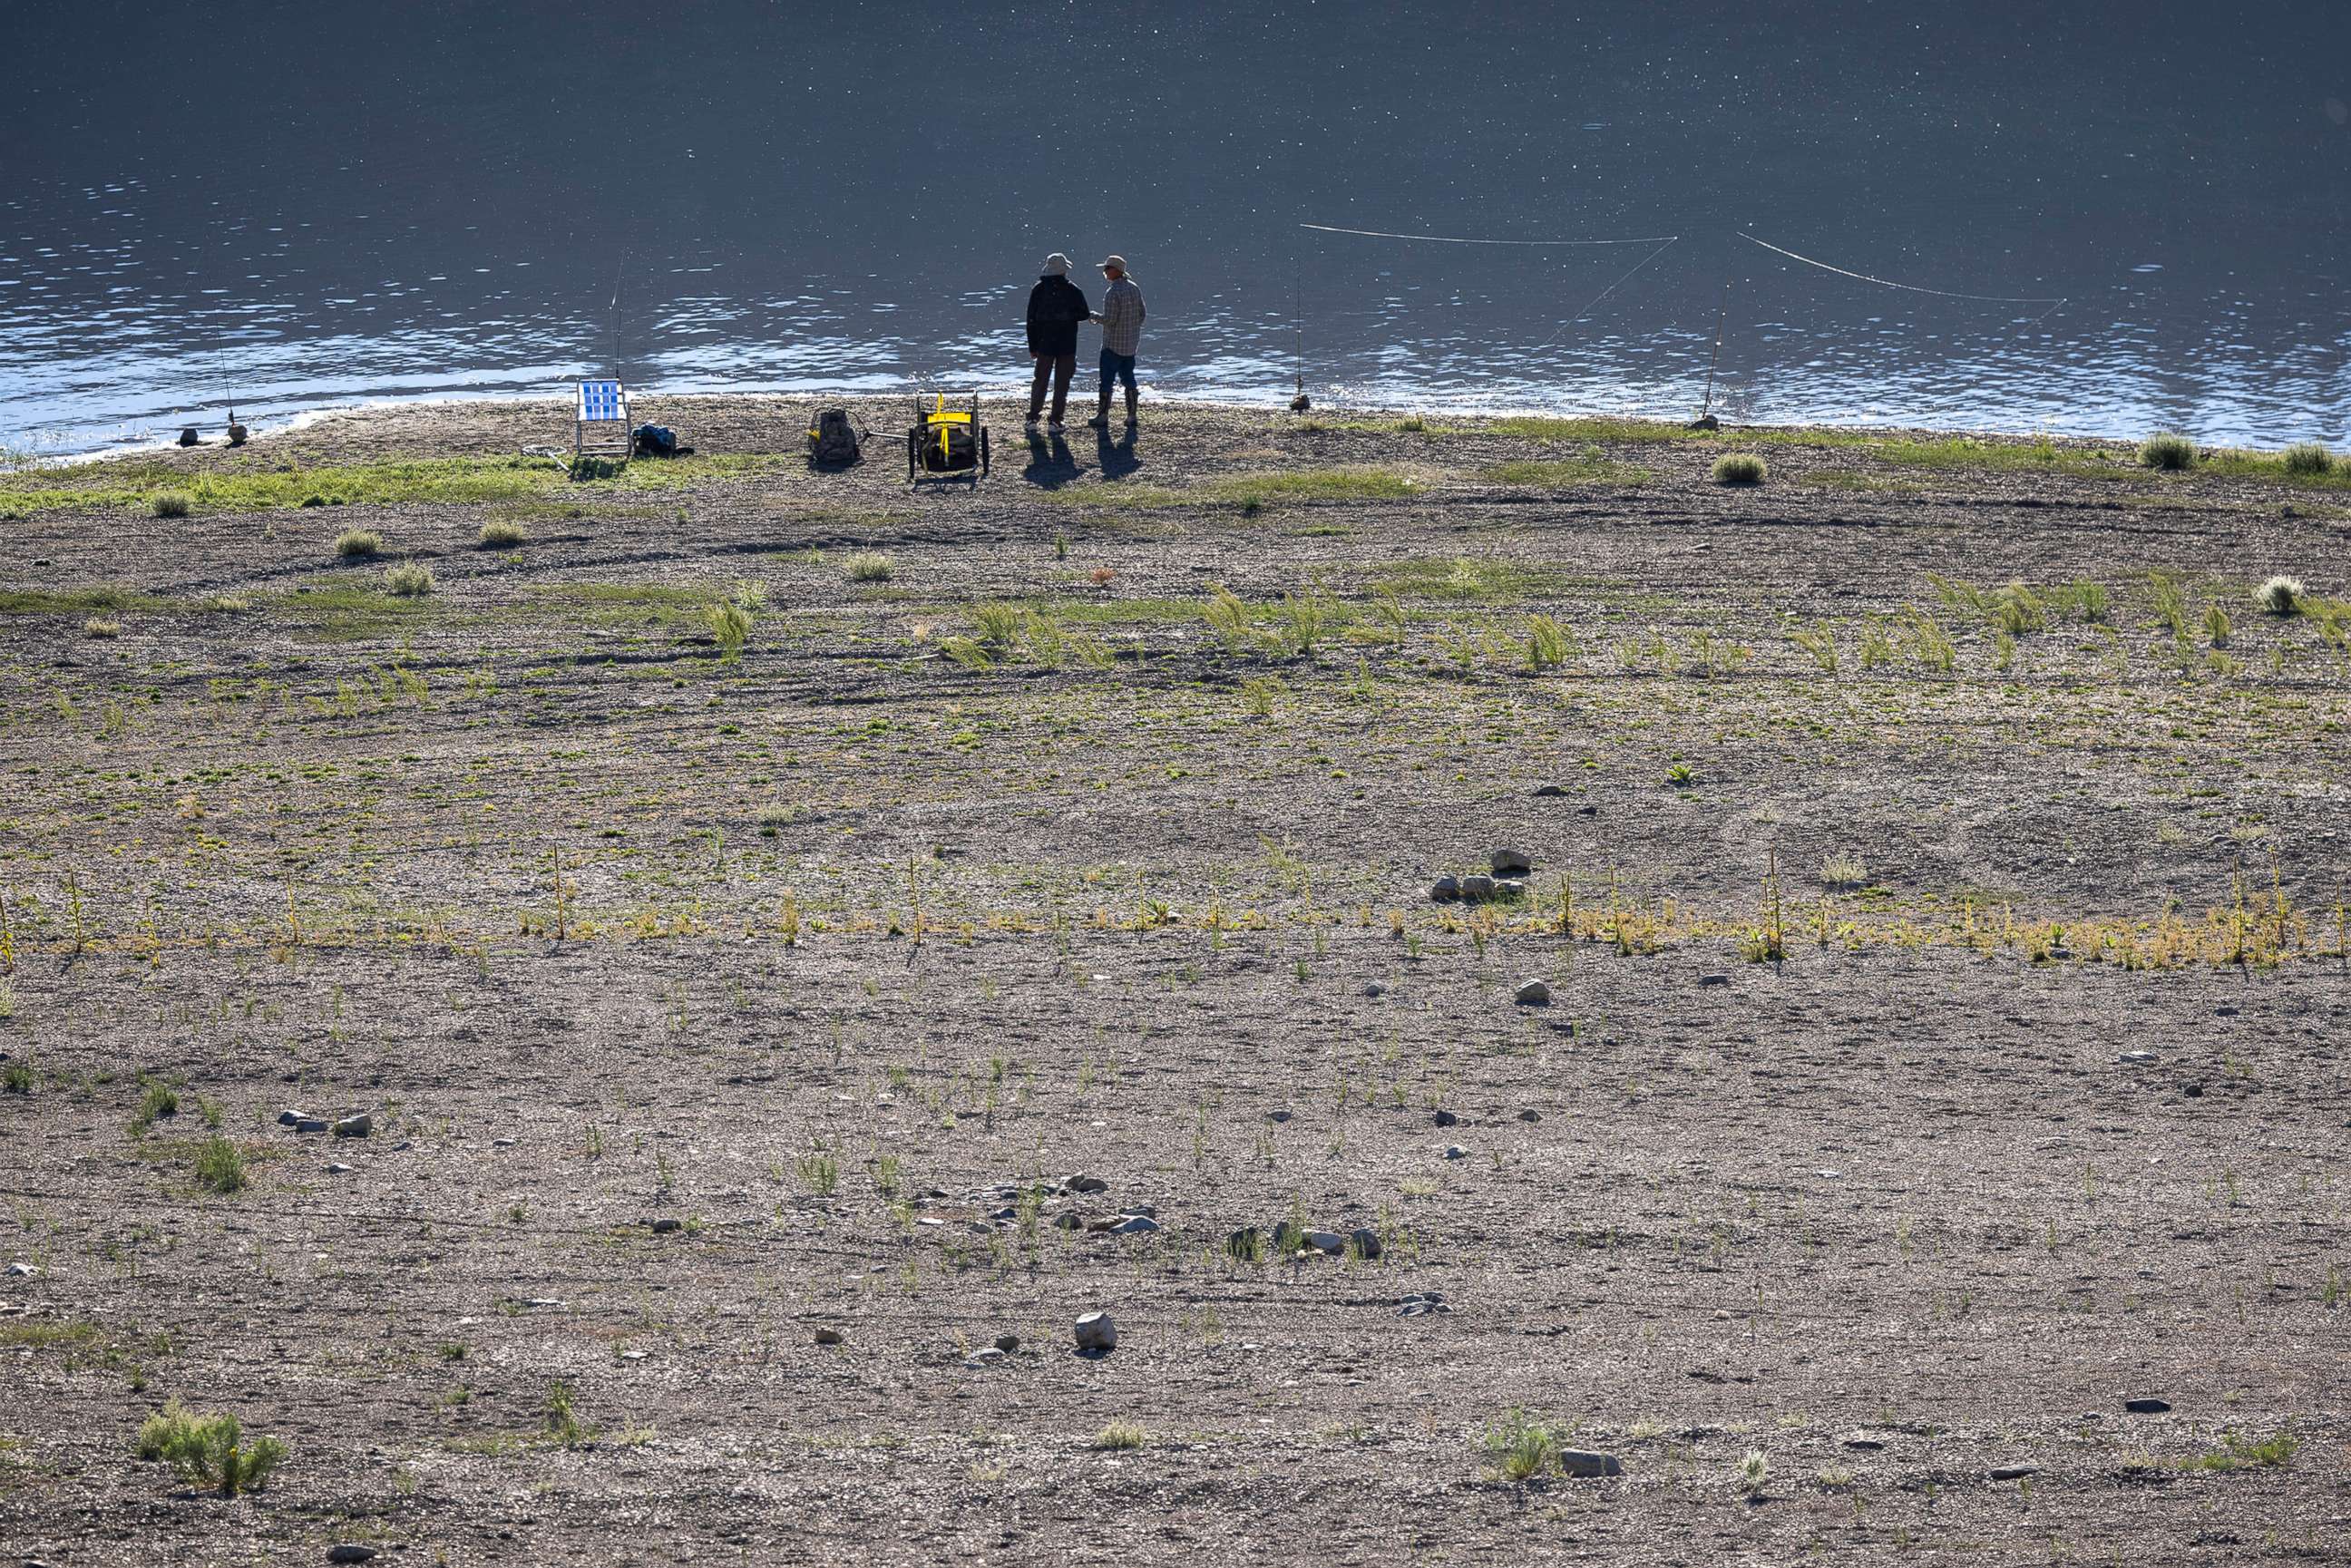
[1117, 368]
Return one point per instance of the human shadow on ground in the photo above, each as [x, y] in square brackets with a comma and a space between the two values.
[1051, 464]
[1117, 457]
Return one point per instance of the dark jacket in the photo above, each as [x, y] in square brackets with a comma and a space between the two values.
[1056, 306]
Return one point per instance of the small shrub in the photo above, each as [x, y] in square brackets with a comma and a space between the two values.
[2174, 453]
[871, 566]
[2217, 628]
[1843, 869]
[1521, 1450]
[409, 580]
[160, 1100]
[1122, 1435]
[563, 1423]
[1740, 468]
[1753, 1470]
[2280, 596]
[357, 542]
[730, 628]
[17, 1077]
[1000, 623]
[220, 1165]
[1546, 644]
[502, 535]
[2304, 457]
[99, 627]
[209, 1450]
[172, 504]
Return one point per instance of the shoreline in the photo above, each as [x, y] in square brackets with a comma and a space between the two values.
[444, 417]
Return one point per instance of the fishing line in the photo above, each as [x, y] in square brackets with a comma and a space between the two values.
[1912, 288]
[614, 311]
[1454, 239]
[1604, 293]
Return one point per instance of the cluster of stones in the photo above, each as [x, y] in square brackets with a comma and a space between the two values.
[1510, 867]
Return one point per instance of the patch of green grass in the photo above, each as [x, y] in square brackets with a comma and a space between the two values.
[870, 566]
[1740, 468]
[357, 542]
[1536, 428]
[160, 1100]
[209, 1450]
[408, 579]
[2173, 454]
[1463, 578]
[220, 1165]
[1591, 469]
[171, 504]
[78, 601]
[1310, 485]
[2307, 457]
[2238, 1452]
[502, 533]
[44, 1336]
[1122, 1435]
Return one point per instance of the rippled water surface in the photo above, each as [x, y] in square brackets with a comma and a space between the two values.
[294, 206]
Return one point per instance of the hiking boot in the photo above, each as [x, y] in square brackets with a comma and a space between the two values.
[1099, 421]
[1054, 428]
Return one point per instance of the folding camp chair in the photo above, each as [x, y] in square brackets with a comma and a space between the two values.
[600, 426]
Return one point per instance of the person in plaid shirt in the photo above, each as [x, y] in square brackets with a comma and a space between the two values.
[1121, 324]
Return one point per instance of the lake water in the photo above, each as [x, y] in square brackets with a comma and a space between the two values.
[296, 205]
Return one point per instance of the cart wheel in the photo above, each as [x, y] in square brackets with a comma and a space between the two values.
[983, 449]
[911, 440]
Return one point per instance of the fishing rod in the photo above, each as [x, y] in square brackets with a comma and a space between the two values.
[1706, 412]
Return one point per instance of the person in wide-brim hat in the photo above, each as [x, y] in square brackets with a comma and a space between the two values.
[1056, 306]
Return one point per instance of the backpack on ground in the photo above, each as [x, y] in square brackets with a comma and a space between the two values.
[832, 444]
[654, 441]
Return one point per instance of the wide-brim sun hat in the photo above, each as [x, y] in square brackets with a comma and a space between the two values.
[1109, 261]
[1057, 266]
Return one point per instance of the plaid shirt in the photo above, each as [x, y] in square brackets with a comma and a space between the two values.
[1122, 317]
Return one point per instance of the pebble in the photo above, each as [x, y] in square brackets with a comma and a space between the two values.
[1714, 979]
[1863, 1445]
[1067, 1221]
[337, 1168]
[1008, 1343]
[1476, 887]
[1376, 989]
[1249, 1241]
[2014, 1472]
[21, 1271]
[292, 1118]
[828, 1336]
[1329, 1241]
[990, 1357]
[1445, 889]
[1530, 1114]
[1420, 1303]
[1533, 994]
[1510, 863]
[1443, 1118]
[358, 1126]
[1083, 1183]
[349, 1552]
[1456, 1152]
[2148, 1406]
[2136, 1056]
[1509, 888]
[1550, 792]
[665, 1225]
[309, 1124]
[1583, 1462]
[1096, 1332]
[1366, 1240]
